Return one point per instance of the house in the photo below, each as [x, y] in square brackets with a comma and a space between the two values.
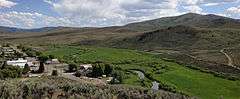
[85, 69]
[52, 61]
[86, 66]
[7, 50]
[20, 62]
[32, 61]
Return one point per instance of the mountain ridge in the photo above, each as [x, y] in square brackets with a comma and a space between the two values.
[189, 19]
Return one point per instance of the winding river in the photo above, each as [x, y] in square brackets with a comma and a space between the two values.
[155, 84]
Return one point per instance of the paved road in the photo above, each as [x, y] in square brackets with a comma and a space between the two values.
[230, 60]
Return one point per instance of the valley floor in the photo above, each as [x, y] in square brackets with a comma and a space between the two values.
[171, 76]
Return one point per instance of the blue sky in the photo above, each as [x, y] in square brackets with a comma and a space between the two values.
[83, 13]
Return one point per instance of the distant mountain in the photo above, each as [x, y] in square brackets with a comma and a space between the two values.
[14, 30]
[184, 31]
[190, 19]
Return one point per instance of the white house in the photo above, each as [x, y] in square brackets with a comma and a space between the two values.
[52, 61]
[20, 62]
[86, 66]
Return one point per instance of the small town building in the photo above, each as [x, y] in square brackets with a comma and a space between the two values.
[52, 61]
[20, 62]
[86, 66]
[7, 50]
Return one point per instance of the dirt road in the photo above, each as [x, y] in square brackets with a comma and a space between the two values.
[230, 60]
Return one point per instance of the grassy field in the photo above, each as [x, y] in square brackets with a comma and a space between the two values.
[192, 82]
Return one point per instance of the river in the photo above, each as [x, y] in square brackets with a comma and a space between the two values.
[155, 84]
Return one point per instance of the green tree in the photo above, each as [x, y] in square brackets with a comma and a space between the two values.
[2, 54]
[54, 73]
[51, 56]
[20, 46]
[1, 75]
[43, 58]
[41, 68]
[78, 74]
[4, 65]
[97, 70]
[19, 54]
[72, 68]
[117, 77]
[108, 69]
[26, 69]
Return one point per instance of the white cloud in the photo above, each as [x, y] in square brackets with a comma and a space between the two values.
[113, 12]
[6, 3]
[108, 12]
[211, 4]
[194, 9]
[31, 20]
[233, 12]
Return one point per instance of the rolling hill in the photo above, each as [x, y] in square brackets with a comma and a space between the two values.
[198, 36]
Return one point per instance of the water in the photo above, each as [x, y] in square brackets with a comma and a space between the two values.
[155, 85]
[140, 75]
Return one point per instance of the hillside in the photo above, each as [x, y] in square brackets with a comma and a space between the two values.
[57, 87]
[198, 36]
[189, 19]
[187, 54]
[183, 38]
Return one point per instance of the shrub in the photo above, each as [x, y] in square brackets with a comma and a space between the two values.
[43, 58]
[54, 73]
[26, 69]
[41, 68]
[10, 72]
[78, 74]
[108, 69]
[72, 67]
[97, 70]
[117, 77]
[51, 56]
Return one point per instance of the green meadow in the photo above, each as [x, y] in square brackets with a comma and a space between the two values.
[181, 78]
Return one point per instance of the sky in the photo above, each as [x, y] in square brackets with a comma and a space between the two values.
[99, 13]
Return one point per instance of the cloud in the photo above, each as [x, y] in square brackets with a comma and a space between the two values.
[31, 20]
[81, 13]
[211, 4]
[194, 9]
[118, 12]
[233, 11]
[6, 4]
[113, 12]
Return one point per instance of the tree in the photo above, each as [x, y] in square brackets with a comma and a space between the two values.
[43, 58]
[108, 69]
[117, 77]
[3, 54]
[51, 56]
[97, 70]
[19, 54]
[20, 46]
[41, 68]
[72, 68]
[4, 65]
[1, 75]
[26, 69]
[78, 74]
[54, 73]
